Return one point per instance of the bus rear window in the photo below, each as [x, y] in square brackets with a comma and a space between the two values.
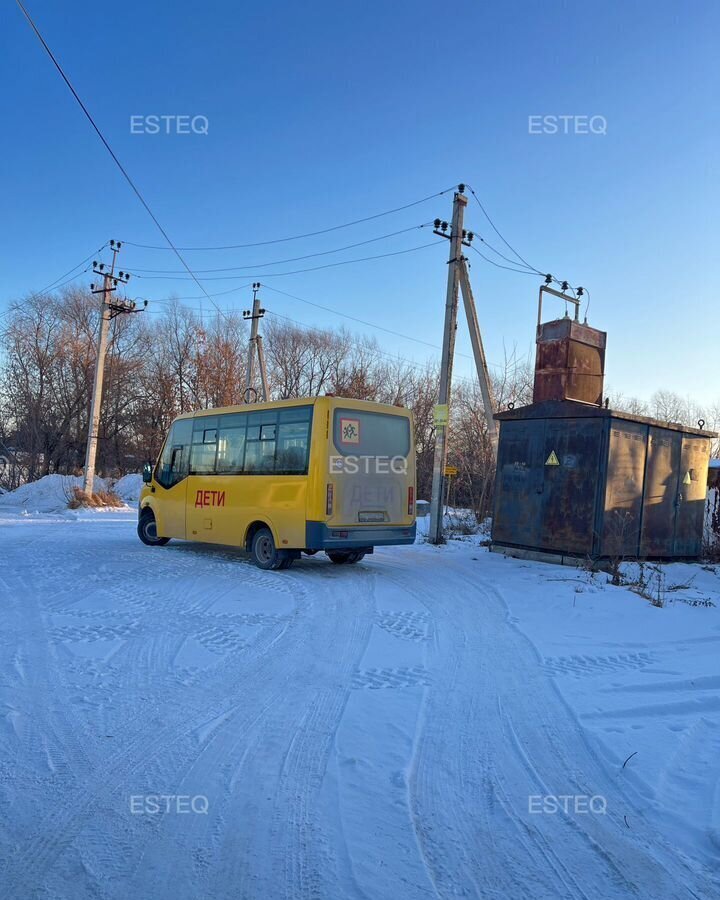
[360, 433]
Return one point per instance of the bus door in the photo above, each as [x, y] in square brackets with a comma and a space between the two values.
[171, 475]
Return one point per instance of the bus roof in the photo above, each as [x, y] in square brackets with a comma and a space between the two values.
[369, 405]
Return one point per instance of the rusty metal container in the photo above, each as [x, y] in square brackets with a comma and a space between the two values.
[581, 481]
[569, 362]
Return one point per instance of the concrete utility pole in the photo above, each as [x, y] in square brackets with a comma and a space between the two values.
[255, 347]
[457, 277]
[479, 354]
[109, 308]
[448, 349]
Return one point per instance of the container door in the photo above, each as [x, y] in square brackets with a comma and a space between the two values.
[518, 494]
[624, 489]
[692, 490]
[661, 493]
[571, 473]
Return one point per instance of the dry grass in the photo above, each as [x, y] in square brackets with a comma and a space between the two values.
[80, 500]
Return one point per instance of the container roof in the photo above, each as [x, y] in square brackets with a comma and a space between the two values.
[572, 409]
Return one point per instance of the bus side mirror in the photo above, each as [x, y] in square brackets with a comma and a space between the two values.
[147, 473]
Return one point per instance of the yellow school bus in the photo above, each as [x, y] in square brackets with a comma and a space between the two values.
[285, 478]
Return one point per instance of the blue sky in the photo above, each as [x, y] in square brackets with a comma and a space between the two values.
[325, 112]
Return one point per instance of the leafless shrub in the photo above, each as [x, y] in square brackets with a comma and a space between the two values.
[95, 500]
[618, 525]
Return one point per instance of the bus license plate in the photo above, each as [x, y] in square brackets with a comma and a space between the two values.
[371, 517]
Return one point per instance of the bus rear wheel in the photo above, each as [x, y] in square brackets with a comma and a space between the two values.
[147, 530]
[342, 557]
[265, 554]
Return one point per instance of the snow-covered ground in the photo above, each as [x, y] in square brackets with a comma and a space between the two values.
[175, 723]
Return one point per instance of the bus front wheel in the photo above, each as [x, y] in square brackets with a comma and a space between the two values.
[147, 530]
[265, 554]
[341, 557]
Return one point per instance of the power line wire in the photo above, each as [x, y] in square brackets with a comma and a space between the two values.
[278, 262]
[497, 232]
[509, 268]
[391, 356]
[234, 290]
[57, 287]
[297, 237]
[82, 263]
[110, 150]
[62, 284]
[501, 255]
[359, 321]
[508, 245]
[352, 318]
[345, 262]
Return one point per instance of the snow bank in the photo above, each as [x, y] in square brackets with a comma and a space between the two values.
[50, 493]
[128, 488]
[455, 522]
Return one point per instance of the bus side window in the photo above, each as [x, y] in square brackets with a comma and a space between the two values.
[231, 450]
[291, 456]
[204, 445]
[173, 466]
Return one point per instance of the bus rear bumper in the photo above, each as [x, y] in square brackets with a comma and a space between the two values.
[319, 536]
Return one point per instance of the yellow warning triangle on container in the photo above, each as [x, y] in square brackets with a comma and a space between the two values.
[552, 460]
[687, 479]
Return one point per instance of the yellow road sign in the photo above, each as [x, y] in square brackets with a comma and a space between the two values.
[451, 470]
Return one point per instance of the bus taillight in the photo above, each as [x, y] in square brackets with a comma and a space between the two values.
[411, 501]
[329, 500]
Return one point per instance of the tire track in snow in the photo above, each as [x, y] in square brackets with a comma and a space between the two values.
[181, 717]
[472, 773]
[279, 737]
[290, 747]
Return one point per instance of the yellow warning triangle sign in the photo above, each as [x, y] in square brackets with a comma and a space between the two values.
[687, 479]
[552, 460]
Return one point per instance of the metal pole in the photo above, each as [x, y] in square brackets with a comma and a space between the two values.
[479, 354]
[451, 308]
[96, 403]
